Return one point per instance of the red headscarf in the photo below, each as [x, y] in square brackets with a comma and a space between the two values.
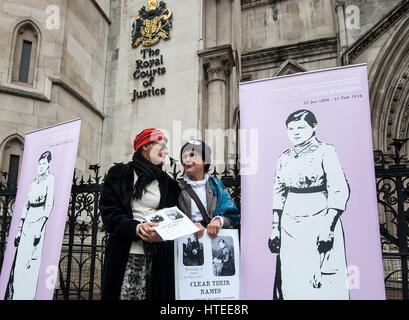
[146, 136]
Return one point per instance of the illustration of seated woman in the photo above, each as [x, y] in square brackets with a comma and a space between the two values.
[205, 200]
[30, 235]
[310, 194]
[223, 262]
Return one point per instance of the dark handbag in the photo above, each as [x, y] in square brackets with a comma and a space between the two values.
[274, 244]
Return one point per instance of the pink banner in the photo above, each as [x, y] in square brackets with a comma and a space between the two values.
[310, 226]
[30, 266]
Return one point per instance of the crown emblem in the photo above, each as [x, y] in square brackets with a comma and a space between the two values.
[152, 5]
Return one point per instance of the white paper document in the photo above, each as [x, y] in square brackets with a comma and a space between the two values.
[173, 223]
[207, 269]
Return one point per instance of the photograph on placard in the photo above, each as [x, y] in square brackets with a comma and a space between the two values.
[223, 256]
[193, 254]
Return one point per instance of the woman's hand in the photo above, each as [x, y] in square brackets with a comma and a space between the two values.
[274, 242]
[316, 280]
[36, 240]
[148, 234]
[275, 233]
[325, 235]
[18, 237]
[216, 260]
[213, 228]
[325, 240]
[199, 233]
[17, 241]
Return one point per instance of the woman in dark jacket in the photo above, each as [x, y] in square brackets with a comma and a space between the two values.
[138, 263]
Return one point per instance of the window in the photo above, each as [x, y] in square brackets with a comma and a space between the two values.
[25, 61]
[13, 169]
[26, 40]
[11, 151]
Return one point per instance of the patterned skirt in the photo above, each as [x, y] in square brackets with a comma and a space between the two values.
[137, 277]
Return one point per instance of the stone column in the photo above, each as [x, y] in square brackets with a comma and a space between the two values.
[224, 22]
[217, 64]
[342, 32]
[217, 71]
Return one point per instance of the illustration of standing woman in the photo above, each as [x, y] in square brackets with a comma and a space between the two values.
[30, 236]
[310, 194]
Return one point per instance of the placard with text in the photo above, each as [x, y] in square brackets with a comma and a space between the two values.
[208, 269]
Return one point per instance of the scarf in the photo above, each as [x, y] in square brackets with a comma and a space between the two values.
[147, 172]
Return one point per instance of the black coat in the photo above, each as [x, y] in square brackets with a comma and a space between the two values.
[117, 217]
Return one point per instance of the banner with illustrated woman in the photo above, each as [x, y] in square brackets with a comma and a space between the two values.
[30, 234]
[310, 193]
[30, 265]
[315, 224]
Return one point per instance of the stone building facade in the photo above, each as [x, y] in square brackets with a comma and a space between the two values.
[67, 59]
[67, 43]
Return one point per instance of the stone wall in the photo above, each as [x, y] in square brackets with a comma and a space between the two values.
[105, 6]
[280, 23]
[274, 31]
[69, 74]
[370, 12]
[176, 111]
[383, 47]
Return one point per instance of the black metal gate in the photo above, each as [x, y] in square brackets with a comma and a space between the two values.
[7, 199]
[84, 242]
[393, 205]
[82, 254]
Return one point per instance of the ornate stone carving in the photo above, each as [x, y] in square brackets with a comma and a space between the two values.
[217, 68]
[373, 34]
[246, 4]
[394, 108]
[293, 51]
[289, 67]
[217, 63]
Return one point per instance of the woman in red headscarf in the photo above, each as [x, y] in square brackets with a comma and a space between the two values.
[138, 263]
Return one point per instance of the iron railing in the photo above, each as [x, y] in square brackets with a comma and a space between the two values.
[392, 179]
[83, 248]
[82, 255]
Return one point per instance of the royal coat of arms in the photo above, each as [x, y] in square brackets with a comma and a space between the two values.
[152, 25]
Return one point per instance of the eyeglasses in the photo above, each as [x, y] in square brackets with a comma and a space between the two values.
[191, 154]
[162, 146]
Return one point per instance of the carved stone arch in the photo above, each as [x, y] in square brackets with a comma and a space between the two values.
[389, 90]
[289, 66]
[26, 31]
[10, 138]
[11, 145]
